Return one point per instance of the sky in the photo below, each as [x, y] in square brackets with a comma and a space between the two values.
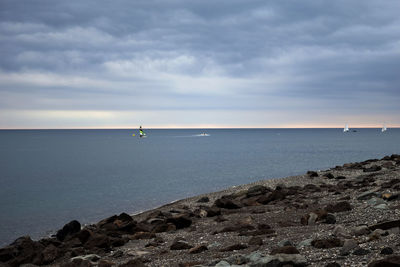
[199, 64]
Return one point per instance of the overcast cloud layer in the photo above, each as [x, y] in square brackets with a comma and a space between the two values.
[172, 63]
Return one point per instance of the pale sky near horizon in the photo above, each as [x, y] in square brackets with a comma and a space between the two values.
[185, 64]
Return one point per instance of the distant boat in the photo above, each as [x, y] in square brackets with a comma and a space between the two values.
[384, 128]
[346, 128]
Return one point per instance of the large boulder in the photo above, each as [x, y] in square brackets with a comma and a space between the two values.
[68, 230]
[227, 203]
[22, 250]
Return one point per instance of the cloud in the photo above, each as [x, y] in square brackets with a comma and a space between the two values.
[234, 56]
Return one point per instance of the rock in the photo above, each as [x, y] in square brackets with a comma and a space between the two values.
[285, 250]
[373, 168]
[391, 183]
[237, 260]
[203, 200]
[367, 195]
[69, 229]
[376, 234]
[312, 218]
[133, 263]
[361, 230]
[180, 245]
[338, 207]
[330, 219]
[312, 188]
[285, 242]
[327, 243]
[312, 174]
[387, 251]
[89, 257]
[198, 249]
[255, 241]
[382, 206]
[257, 190]
[50, 253]
[386, 225]
[22, 250]
[361, 252]
[340, 231]
[305, 243]
[78, 263]
[329, 175]
[375, 201]
[98, 241]
[180, 221]
[234, 247]
[227, 203]
[223, 264]
[348, 246]
[295, 260]
[272, 196]
[387, 262]
[105, 263]
[333, 264]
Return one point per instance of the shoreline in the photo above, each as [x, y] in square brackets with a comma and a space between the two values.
[334, 216]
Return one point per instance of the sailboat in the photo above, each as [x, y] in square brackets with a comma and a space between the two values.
[384, 128]
[346, 128]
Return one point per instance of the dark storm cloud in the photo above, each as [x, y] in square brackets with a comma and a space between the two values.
[200, 55]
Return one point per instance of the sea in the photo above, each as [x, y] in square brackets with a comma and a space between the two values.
[50, 177]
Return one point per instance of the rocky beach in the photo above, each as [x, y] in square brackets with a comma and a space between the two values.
[344, 216]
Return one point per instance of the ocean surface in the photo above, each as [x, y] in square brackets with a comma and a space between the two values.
[49, 177]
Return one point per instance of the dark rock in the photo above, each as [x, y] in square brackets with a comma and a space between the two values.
[385, 225]
[98, 241]
[70, 228]
[387, 251]
[338, 207]
[203, 200]
[227, 203]
[180, 221]
[361, 252]
[180, 245]
[391, 261]
[105, 263]
[391, 183]
[212, 211]
[257, 190]
[78, 263]
[341, 177]
[234, 247]
[330, 219]
[312, 188]
[22, 250]
[333, 264]
[373, 168]
[255, 241]
[312, 174]
[329, 175]
[50, 253]
[121, 223]
[327, 243]
[285, 250]
[133, 263]
[198, 249]
[272, 196]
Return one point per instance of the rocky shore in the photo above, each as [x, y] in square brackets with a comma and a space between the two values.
[346, 216]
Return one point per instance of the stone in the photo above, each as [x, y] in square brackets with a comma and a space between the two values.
[285, 250]
[180, 245]
[223, 264]
[361, 230]
[375, 201]
[387, 251]
[312, 174]
[98, 241]
[255, 241]
[383, 206]
[203, 200]
[312, 218]
[361, 252]
[327, 243]
[22, 250]
[367, 195]
[386, 225]
[348, 246]
[386, 262]
[294, 260]
[238, 246]
[341, 177]
[338, 207]
[89, 257]
[333, 264]
[50, 253]
[330, 219]
[142, 235]
[329, 175]
[257, 190]
[227, 203]
[373, 168]
[198, 249]
[285, 242]
[305, 243]
[133, 263]
[376, 234]
[340, 231]
[237, 259]
[70, 228]
[105, 263]
[180, 221]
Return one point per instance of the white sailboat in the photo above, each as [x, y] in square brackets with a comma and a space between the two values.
[384, 128]
[346, 128]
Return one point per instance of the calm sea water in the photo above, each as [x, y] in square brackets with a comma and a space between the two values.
[49, 177]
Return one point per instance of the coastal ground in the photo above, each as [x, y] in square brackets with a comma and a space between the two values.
[345, 216]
